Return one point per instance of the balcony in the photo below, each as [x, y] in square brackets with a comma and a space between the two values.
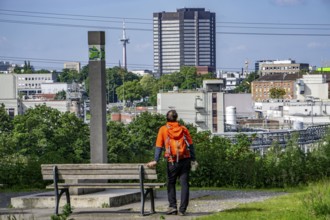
[199, 118]
[199, 103]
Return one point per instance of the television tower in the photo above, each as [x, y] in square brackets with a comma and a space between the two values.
[125, 41]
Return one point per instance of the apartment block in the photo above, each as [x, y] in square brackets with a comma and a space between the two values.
[260, 87]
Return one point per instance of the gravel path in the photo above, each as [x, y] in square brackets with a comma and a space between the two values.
[202, 202]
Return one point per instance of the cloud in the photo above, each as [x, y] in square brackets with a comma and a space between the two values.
[3, 40]
[142, 47]
[316, 45]
[238, 48]
[288, 2]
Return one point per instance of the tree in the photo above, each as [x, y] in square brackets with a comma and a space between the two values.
[17, 69]
[130, 91]
[82, 76]
[245, 86]
[42, 71]
[68, 76]
[119, 143]
[61, 95]
[27, 68]
[6, 124]
[190, 75]
[115, 77]
[147, 83]
[277, 93]
[50, 135]
[144, 129]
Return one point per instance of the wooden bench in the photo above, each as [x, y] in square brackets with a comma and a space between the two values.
[137, 172]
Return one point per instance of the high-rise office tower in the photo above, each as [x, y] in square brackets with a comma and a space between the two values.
[186, 37]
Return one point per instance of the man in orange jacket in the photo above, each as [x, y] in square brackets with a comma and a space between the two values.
[177, 166]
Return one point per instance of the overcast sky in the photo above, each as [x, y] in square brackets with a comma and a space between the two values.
[49, 32]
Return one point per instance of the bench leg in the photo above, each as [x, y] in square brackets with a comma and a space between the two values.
[58, 198]
[152, 200]
[67, 194]
[57, 201]
[143, 197]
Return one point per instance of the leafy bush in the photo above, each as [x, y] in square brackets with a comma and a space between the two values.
[317, 200]
[44, 135]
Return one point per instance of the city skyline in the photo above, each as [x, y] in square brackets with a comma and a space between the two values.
[51, 33]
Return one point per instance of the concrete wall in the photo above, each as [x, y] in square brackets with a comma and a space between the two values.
[53, 88]
[184, 104]
[316, 86]
[62, 106]
[242, 102]
[7, 86]
[12, 105]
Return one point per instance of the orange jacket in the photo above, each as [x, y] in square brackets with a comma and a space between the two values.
[176, 129]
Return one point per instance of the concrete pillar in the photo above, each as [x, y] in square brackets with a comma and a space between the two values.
[98, 140]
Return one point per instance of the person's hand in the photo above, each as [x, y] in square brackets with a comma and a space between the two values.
[152, 164]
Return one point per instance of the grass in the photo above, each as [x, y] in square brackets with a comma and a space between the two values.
[308, 203]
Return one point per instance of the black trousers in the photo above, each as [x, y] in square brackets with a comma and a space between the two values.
[174, 171]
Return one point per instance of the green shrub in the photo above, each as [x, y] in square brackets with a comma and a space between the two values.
[317, 200]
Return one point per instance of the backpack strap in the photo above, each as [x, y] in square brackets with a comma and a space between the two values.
[168, 153]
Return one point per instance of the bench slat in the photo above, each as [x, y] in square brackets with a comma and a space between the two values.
[96, 172]
[106, 185]
[95, 165]
[90, 177]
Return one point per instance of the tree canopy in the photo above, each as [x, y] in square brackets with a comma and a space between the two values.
[276, 93]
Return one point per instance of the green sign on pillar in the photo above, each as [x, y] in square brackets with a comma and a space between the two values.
[96, 52]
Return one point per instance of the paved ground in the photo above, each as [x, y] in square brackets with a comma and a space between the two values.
[203, 202]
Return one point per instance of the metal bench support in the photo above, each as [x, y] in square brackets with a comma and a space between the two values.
[58, 194]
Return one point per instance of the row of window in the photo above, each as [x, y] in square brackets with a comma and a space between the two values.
[34, 78]
[273, 85]
[267, 89]
[29, 85]
[280, 68]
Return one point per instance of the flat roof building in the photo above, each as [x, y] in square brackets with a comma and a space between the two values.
[282, 67]
[186, 37]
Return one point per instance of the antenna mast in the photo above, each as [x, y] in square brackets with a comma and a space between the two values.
[125, 41]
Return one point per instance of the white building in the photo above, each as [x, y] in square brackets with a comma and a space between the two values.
[204, 108]
[232, 79]
[72, 66]
[287, 112]
[8, 94]
[8, 86]
[53, 88]
[30, 83]
[281, 66]
[314, 85]
[141, 72]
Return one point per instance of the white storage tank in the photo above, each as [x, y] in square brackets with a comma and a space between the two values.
[298, 125]
[231, 115]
